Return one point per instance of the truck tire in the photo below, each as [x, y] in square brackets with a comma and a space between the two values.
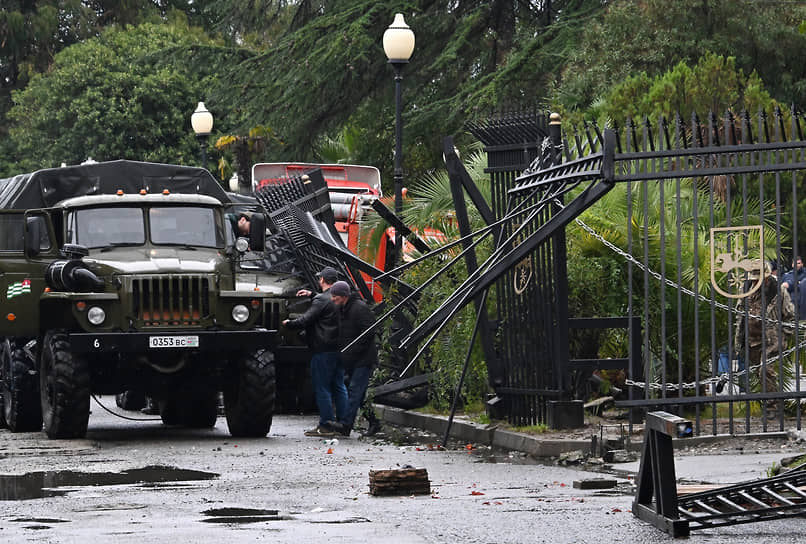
[201, 410]
[196, 410]
[64, 387]
[170, 412]
[130, 400]
[20, 394]
[249, 398]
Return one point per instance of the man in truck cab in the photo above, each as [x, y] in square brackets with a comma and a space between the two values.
[241, 223]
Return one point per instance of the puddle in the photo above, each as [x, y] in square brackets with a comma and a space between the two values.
[37, 485]
[38, 520]
[242, 515]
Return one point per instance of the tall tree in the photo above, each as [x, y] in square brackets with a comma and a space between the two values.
[313, 67]
[651, 36]
[32, 32]
[122, 95]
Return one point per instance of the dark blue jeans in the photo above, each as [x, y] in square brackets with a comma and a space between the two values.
[356, 389]
[327, 379]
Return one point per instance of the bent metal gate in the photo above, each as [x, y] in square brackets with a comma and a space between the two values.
[702, 218]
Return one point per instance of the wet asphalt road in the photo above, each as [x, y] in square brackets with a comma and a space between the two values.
[289, 488]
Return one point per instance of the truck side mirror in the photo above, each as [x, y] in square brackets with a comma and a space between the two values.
[257, 232]
[34, 230]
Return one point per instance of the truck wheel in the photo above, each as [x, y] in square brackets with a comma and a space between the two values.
[130, 400]
[169, 412]
[21, 409]
[64, 387]
[198, 411]
[201, 410]
[249, 398]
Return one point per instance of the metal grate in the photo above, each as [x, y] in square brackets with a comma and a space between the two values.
[179, 300]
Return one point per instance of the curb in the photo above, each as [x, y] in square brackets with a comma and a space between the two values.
[477, 433]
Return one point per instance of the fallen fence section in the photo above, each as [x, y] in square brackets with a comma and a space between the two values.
[657, 500]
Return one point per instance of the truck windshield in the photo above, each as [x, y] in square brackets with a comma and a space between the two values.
[185, 226]
[101, 227]
[121, 226]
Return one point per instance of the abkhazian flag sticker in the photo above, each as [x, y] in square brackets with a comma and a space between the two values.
[18, 288]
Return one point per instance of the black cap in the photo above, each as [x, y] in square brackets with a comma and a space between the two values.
[340, 289]
[328, 274]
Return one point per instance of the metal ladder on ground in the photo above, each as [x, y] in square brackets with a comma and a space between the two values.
[777, 497]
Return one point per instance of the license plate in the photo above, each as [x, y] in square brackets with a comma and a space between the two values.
[173, 341]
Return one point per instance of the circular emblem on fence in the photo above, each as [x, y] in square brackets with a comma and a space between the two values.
[523, 275]
[737, 256]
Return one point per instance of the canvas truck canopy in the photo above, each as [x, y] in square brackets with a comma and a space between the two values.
[45, 188]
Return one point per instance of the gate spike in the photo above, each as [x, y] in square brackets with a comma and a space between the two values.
[779, 116]
[648, 138]
[664, 130]
[713, 134]
[762, 116]
[696, 128]
[618, 136]
[747, 128]
[731, 124]
[631, 135]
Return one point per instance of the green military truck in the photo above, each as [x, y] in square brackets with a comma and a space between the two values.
[128, 276]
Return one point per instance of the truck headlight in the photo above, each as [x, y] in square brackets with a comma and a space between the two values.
[241, 245]
[240, 313]
[96, 315]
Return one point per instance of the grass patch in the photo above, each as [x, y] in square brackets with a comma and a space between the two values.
[540, 428]
[723, 410]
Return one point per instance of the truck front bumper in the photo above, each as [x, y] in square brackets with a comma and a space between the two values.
[145, 342]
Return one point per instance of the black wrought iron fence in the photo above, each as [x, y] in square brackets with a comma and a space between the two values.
[692, 212]
[695, 210]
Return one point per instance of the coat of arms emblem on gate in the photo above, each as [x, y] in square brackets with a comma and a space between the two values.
[737, 255]
[523, 275]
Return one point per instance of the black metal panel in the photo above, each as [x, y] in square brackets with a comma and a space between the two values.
[526, 310]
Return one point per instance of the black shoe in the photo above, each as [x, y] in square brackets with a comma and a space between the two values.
[321, 431]
[373, 429]
[340, 428]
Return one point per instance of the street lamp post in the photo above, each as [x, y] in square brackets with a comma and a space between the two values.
[202, 123]
[398, 44]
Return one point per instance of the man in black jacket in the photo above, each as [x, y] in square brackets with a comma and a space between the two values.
[355, 317]
[321, 326]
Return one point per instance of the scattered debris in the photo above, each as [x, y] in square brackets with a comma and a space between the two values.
[595, 483]
[571, 458]
[620, 456]
[407, 481]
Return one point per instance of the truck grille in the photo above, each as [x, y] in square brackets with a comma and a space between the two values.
[171, 299]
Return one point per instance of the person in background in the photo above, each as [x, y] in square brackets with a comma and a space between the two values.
[359, 360]
[796, 277]
[321, 324]
[764, 333]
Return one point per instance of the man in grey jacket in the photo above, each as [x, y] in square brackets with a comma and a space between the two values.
[321, 324]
